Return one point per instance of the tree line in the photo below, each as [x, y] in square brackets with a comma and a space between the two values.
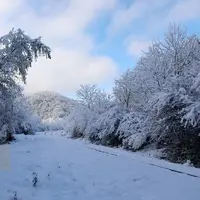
[155, 105]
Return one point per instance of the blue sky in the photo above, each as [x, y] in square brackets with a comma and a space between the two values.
[93, 41]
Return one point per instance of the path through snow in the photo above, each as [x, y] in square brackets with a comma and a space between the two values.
[75, 170]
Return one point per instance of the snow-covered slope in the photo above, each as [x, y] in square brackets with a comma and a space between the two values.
[73, 169]
[50, 105]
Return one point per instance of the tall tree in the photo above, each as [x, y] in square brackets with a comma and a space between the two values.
[17, 53]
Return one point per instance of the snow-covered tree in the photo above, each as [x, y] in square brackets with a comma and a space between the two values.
[17, 53]
[171, 64]
[87, 95]
[92, 97]
[131, 90]
[123, 89]
[24, 121]
[92, 102]
[79, 119]
[156, 104]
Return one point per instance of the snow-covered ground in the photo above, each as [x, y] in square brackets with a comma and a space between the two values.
[77, 170]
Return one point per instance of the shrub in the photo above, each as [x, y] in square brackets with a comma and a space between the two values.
[104, 129]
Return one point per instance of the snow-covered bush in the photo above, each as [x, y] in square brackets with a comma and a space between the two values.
[131, 124]
[165, 116]
[3, 133]
[136, 141]
[23, 120]
[104, 129]
[131, 130]
[191, 115]
[78, 120]
[92, 103]
[174, 125]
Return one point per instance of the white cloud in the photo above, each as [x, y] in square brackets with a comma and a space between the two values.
[137, 10]
[63, 25]
[183, 11]
[123, 17]
[68, 69]
[151, 18]
[137, 47]
[8, 6]
[72, 61]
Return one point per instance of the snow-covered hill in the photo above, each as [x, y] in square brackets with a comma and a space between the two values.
[50, 106]
[73, 169]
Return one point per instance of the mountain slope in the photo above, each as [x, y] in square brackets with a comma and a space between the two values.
[50, 105]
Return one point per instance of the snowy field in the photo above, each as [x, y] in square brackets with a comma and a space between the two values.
[76, 170]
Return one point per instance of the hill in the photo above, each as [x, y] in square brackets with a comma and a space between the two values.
[50, 106]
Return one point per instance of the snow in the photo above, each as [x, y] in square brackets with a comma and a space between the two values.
[75, 169]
